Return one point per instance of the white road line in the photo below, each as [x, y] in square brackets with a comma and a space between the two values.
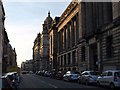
[53, 86]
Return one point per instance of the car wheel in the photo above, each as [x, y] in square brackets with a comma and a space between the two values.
[79, 81]
[68, 79]
[112, 86]
[86, 82]
[63, 78]
[98, 83]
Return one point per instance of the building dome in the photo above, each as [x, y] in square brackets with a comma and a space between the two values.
[48, 19]
[47, 24]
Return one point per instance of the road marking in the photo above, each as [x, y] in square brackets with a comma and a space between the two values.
[53, 86]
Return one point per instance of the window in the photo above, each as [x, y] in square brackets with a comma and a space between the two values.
[69, 56]
[83, 53]
[117, 74]
[94, 73]
[109, 46]
[64, 59]
[84, 73]
[109, 74]
[74, 57]
[104, 74]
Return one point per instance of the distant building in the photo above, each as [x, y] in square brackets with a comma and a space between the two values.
[27, 65]
[23, 66]
[53, 44]
[5, 52]
[44, 47]
[9, 55]
[12, 57]
[36, 53]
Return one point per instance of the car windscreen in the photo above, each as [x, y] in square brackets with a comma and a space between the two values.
[94, 73]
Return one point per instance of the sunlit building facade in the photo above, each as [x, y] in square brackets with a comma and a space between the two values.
[68, 34]
[44, 46]
[36, 53]
[53, 45]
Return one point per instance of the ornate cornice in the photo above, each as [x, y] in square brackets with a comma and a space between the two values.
[68, 10]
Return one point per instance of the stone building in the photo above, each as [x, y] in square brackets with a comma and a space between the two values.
[9, 54]
[53, 44]
[36, 53]
[23, 66]
[93, 17]
[89, 36]
[110, 40]
[44, 47]
[27, 65]
[5, 52]
[68, 34]
[12, 57]
[2, 18]
[98, 47]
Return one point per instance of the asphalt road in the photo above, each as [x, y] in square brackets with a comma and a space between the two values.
[35, 81]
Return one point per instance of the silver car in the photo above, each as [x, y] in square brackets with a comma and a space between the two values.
[88, 77]
[71, 76]
[109, 78]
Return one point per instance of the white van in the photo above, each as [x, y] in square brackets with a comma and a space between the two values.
[109, 78]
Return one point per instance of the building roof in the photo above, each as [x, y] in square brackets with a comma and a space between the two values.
[48, 19]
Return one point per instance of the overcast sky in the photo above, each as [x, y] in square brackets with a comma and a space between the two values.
[24, 19]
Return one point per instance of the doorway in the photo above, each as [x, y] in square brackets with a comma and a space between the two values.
[93, 57]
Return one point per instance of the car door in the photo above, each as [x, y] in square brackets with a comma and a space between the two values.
[102, 79]
[84, 77]
[108, 78]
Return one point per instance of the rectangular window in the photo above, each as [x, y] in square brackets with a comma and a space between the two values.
[69, 58]
[74, 57]
[61, 60]
[109, 46]
[64, 59]
[83, 53]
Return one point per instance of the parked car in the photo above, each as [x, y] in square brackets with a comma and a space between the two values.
[88, 77]
[109, 78]
[47, 73]
[60, 74]
[5, 84]
[10, 80]
[71, 76]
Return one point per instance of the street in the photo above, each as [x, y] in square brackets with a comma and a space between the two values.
[35, 81]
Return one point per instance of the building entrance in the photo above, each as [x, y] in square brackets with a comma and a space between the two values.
[93, 57]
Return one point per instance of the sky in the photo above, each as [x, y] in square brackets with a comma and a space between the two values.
[24, 19]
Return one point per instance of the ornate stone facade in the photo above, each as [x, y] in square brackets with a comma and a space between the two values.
[2, 16]
[44, 47]
[68, 33]
[53, 37]
[88, 36]
[98, 46]
[36, 53]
